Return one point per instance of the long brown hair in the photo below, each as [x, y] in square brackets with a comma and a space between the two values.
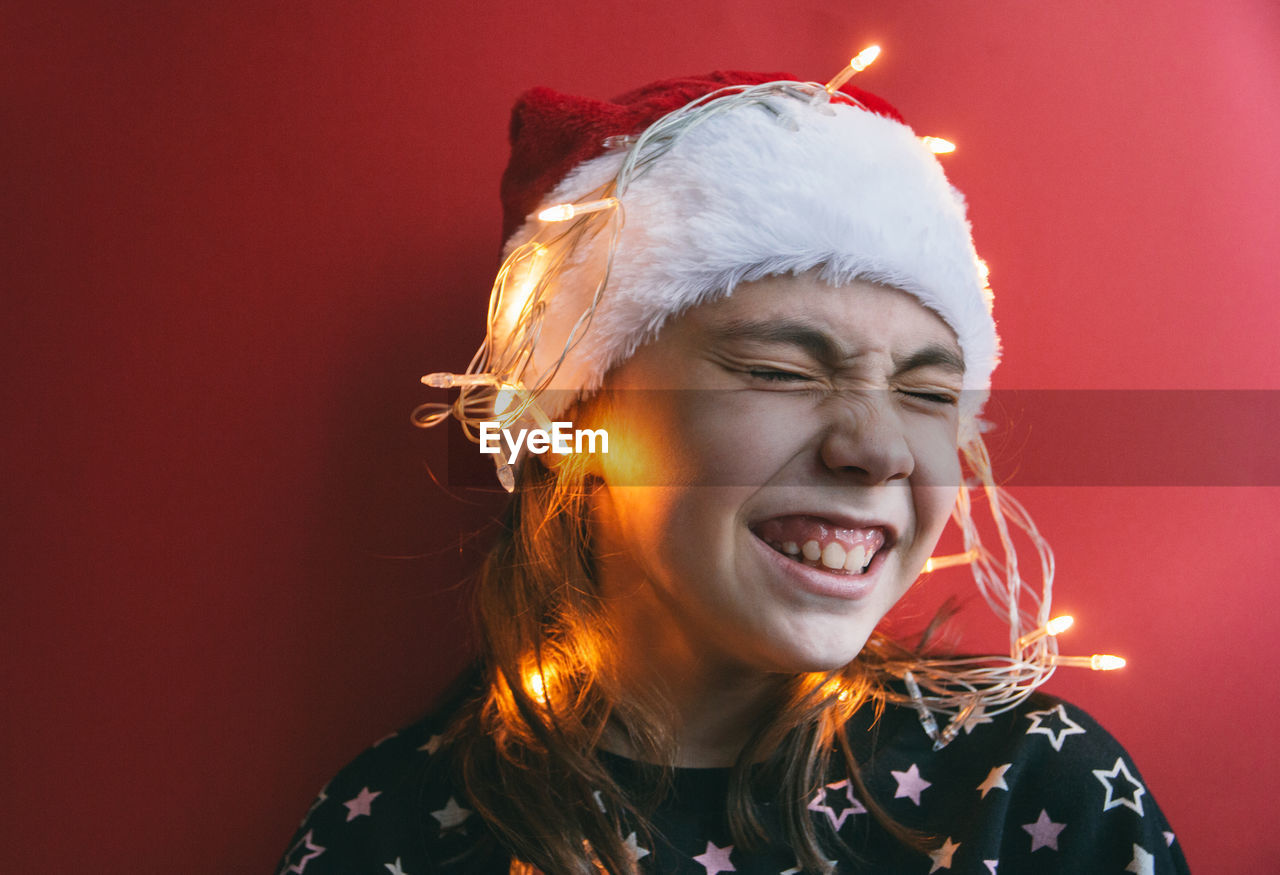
[524, 750]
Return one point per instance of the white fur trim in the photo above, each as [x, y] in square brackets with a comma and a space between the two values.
[741, 197]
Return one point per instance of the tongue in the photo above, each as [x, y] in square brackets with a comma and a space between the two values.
[799, 529]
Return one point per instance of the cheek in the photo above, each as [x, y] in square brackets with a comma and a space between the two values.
[935, 483]
[686, 438]
[736, 439]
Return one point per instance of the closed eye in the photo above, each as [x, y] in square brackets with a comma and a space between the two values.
[776, 376]
[946, 398]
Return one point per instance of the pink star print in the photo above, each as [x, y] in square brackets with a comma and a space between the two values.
[360, 805]
[716, 859]
[1044, 832]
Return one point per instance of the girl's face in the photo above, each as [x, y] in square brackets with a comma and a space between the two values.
[781, 463]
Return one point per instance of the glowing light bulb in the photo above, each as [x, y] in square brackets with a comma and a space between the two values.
[835, 687]
[507, 477]
[1097, 662]
[559, 213]
[565, 212]
[1106, 662]
[439, 380]
[1056, 626]
[860, 62]
[538, 680]
[933, 563]
[517, 281]
[536, 686]
[938, 146]
[864, 58]
[503, 400]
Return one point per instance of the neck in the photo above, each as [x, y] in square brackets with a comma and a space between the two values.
[714, 704]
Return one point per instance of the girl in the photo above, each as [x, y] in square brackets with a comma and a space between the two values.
[754, 304]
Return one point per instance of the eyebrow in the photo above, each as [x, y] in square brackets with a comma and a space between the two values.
[824, 348]
[933, 355]
[817, 343]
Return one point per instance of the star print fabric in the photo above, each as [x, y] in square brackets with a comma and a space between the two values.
[1042, 789]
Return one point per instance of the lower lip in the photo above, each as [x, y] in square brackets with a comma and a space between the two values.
[818, 581]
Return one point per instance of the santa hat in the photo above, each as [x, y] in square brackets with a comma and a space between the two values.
[764, 175]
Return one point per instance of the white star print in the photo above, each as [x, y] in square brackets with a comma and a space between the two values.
[1044, 832]
[942, 856]
[1055, 738]
[995, 780]
[1111, 801]
[716, 859]
[976, 718]
[1168, 838]
[991, 865]
[394, 868]
[304, 843]
[361, 803]
[633, 847]
[432, 745]
[1142, 862]
[818, 803]
[452, 815]
[910, 784]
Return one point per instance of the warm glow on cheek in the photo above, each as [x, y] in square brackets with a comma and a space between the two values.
[639, 452]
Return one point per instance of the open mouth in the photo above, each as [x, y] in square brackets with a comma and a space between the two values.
[821, 543]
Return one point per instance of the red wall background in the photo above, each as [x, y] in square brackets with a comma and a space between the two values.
[236, 234]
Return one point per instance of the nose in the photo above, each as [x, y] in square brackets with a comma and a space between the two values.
[866, 438]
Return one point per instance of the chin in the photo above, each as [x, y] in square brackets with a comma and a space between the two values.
[817, 655]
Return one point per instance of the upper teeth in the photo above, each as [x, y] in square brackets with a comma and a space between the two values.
[856, 559]
[833, 555]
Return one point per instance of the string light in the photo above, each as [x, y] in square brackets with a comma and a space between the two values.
[565, 212]
[443, 380]
[505, 396]
[495, 384]
[1097, 662]
[949, 687]
[1053, 628]
[859, 62]
[938, 146]
[517, 285]
[933, 563]
[927, 720]
[538, 679]
[535, 686]
[836, 687]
